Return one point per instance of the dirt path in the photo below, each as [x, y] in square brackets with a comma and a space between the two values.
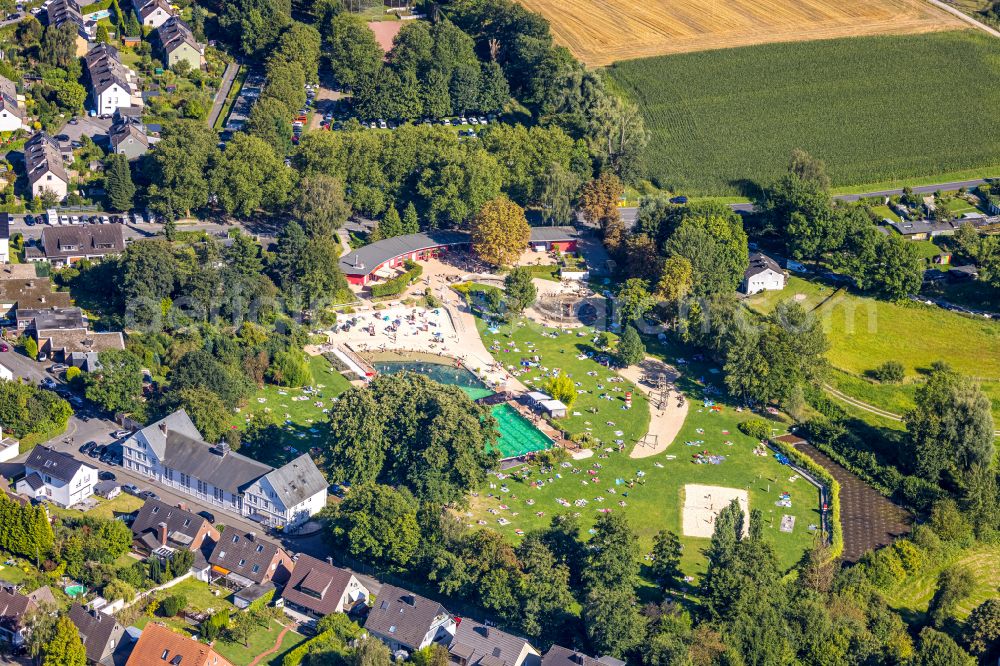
[274, 648]
[871, 409]
[665, 421]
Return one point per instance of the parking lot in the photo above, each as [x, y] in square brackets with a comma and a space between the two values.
[95, 128]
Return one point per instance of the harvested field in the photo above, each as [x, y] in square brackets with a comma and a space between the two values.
[600, 32]
[869, 520]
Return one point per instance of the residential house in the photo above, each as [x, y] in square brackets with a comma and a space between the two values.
[100, 632]
[408, 622]
[762, 274]
[152, 13]
[5, 220]
[317, 589]
[12, 116]
[68, 345]
[172, 453]
[178, 44]
[10, 448]
[964, 273]
[922, 229]
[60, 12]
[49, 319]
[64, 245]
[112, 85]
[29, 294]
[560, 656]
[13, 608]
[107, 489]
[44, 165]
[476, 643]
[128, 138]
[161, 529]
[159, 645]
[242, 559]
[57, 477]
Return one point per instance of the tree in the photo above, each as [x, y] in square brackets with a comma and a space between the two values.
[102, 34]
[118, 182]
[249, 176]
[519, 291]
[307, 267]
[300, 43]
[619, 136]
[614, 624]
[378, 522]
[254, 25]
[890, 372]
[370, 651]
[598, 200]
[938, 649]
[666, 557]
[180, 163]
[500, 232]
[982, 629]
[205, 408]
[561, 388]
[411, 223]
[286, 82]
[65, 648]
[951, 426]
[494, 93]
[117, 385]
[675, 279]
[633, 300]
[631, 349]
[269, 120]
[118, 589]
[614, 554]
[353, 52]
[58, 46]
[320, 205]
[30, 347]
[954, 584]
[389, 226]
[242, 626]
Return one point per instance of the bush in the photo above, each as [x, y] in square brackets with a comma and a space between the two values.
[399, 283]
[890, 372]
[561, 388]
[910, 556]
[72, 372]
[212, 627]
[173, 605]
[30, 348]
[756, 428]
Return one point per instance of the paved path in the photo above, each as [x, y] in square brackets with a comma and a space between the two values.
[965, 17]
[274, 648]
[220, 97]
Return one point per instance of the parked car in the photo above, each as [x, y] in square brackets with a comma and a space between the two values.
[97, 451]
[74, 219]
[131, 489]
[88, 447]
[56, 368]
[4, 347]
[679, 200]
[106, 476]
[105, 219]
[118, 434]
[210, 517]
[63, 219]
[148, 495]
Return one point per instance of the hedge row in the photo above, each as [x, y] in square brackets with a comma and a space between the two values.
[399, 283]
[833, 487]
[296, 656]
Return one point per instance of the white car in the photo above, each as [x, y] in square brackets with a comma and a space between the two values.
[63, 219]
[105, 219]
[74, 219]
[474, 120]
[463, 120]
[382, 124]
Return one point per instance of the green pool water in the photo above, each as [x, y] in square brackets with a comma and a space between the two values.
[74, 590]
[517, 435]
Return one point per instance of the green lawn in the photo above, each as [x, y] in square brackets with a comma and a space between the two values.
[866, 332]
[724, 121]
[654, 501]
[567, 352]
[259, 642]
[914, 594]
[300, 417]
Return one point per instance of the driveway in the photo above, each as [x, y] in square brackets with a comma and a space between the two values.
[86, 126]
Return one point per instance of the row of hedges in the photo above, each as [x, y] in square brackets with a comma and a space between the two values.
[398, 284]
[833, 489]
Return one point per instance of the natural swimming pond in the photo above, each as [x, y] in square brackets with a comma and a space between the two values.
[517, 435]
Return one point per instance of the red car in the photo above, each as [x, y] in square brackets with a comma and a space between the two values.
[4, 347]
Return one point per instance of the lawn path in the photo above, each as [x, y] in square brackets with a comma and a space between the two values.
[274, 648]
[665, 421]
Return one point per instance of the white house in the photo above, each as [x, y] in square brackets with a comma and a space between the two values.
[111, 83]
[57, 477]
[44, 165]
[152, 13]
[171, 452]
[764, 273]
[12, 116]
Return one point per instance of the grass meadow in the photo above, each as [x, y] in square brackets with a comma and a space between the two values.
[865, 332]
[656, 497]
[875, 109]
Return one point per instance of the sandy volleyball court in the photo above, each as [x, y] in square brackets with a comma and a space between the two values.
[601, 32]
[703, 503]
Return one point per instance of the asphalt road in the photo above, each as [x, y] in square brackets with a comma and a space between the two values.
[228, 77]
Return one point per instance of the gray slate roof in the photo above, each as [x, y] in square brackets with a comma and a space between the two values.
[366, 259]
[182, 526]
[234, 547]
[96, 629]
[560, 656]
[53, 318]
[42, 156]
[175, 32]
[56, 464]
[553, 234]
[760, 263]
[316, 585]
[105, 69]
[215, 465]
[403, 616]
[476, 643]
[296, 481]
[85, 239]
[155, 434]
